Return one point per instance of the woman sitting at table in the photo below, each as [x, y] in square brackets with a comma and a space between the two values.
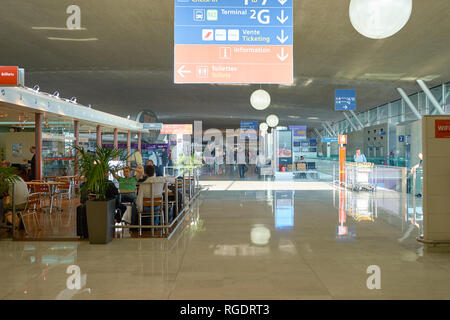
[145, 189]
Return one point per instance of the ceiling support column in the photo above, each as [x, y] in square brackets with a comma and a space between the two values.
[38, 149]
[409, 103]
[430, 96]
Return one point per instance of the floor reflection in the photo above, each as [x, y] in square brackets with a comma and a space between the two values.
[404, 211]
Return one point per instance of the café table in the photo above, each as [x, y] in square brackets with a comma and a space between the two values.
[52, 186]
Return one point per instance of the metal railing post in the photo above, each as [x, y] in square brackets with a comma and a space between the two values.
[184, 189]
[176, 195]
[153, 211]
[166, 220]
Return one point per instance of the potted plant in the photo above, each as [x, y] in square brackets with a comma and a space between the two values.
[8, 176]
[95, 168]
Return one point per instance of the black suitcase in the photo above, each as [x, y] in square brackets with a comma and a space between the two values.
[82, 228]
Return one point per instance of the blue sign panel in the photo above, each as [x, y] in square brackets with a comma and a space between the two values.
[401, 138]
[330, 139]
[249, 129]
[299, 131]
[344, 99]
[152, 126]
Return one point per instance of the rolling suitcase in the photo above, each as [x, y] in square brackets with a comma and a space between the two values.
[82, 228]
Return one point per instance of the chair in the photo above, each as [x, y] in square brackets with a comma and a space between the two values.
[156, 210]
[77, 181]
[33, 200]
[64, 189]
[44, 190]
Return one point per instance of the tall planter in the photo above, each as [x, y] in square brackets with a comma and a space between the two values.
[1, 209]
[100, 221]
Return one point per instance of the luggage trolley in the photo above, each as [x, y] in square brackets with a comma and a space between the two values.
[361, 176]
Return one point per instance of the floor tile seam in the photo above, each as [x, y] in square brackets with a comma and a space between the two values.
[317, 276]
[178, 270]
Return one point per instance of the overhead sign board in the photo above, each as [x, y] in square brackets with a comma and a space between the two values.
[9, 76]
[233, 41]
[330, 139]
[298, 131]
[152, 126]
[176, 129]
[249, 129]
[344, 99]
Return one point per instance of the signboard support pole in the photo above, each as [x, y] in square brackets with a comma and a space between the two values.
[76, 127]
[342, 153]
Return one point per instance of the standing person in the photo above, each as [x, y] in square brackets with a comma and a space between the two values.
[260, 163]
[32, 162]
[243, 166]
[164, 159]
[414, 170]
[359, 157]
[391, 158]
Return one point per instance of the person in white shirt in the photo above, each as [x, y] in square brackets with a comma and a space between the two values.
[152, 184]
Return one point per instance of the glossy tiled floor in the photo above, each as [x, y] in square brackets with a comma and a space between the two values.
[248, 240]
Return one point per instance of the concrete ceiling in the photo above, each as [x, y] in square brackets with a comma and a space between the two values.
[130, 66]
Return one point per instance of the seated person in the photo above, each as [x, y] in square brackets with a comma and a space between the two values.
[158, 172]
[127, 185]
[20, 193]
[152, 183]
[140, 175]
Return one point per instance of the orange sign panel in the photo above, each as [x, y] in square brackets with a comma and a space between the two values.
[8, 76]
[442, 128]
[176, 129]
[341, 164]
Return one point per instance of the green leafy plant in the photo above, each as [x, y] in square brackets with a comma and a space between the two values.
[188, 163]
[96, 167]
[8, 175]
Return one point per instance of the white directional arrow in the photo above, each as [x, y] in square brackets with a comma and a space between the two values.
[283, 19]
[282, 2]
[283, 38]
[282, 57]
[181, 71]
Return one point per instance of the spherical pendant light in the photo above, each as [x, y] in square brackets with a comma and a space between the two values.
[263, 127]
[272, 120]
[260, 99]
[379, 19]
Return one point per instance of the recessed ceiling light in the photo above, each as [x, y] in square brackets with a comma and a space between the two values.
[313, 118]
[294, 117]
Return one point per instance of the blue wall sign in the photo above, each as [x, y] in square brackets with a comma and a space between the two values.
[249, 129]
[330, 139]
[344, 99]
[299, 131]
[401, 138]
